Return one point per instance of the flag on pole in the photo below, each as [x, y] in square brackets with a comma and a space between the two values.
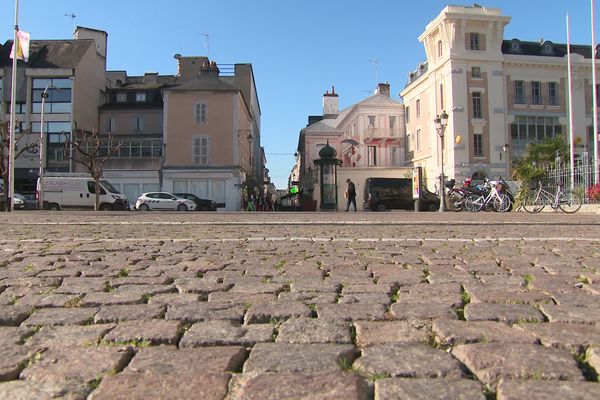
[22, 46]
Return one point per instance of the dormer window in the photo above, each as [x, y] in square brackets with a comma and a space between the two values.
[548, 48]
[121, 97]
[140, 97]
[515, 47]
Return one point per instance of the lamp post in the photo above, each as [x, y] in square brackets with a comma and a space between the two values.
[249, 138]
[505, 149]
[441, 121]
[44, 96]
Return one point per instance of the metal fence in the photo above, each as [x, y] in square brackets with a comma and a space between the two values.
[581, 177]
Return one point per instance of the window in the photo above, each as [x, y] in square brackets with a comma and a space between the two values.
[476, 72]
[418, 145]
[395, 155]
[440, 48]
[476, 105]
[201, 113]
[519, 92]
[418, 108]
[201, 150]
[371, 121]
[409, 144]
[59, 95]
[552, 93]
[112, 124]
[407, 114]
[527, 129]
[392, 121]
[536, 89]
[442, 96]
[140, 97]
[139, 124]
[121, 97]
[19, 108]
[478, 145]
[372, 156]
[474, 43]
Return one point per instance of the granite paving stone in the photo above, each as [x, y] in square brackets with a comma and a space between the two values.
[461, 332]
[352, 312]
[13, 315]
[409, 360]
[173, 298]
[81, 285]
[428, 389]
[169, 359]
[208, 311]
[492, 362]
[371, 333]
[49, 300]
[26, 390]
[197, 285]
[313, 330]
[303, 358]
[568, 313]
[262, 313]
[61, 316]
[509, 313]
[96, 299]
[569, 336]
[13, 359]
[547, 390]
[153, 331]
[413, 309]
[69, 335]
[375, 298]
[76, 368]
[243, 298]
[115, 313]
[185, 385]
[226, 333]
[289, 386]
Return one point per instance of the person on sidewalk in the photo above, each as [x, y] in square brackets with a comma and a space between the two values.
[350, 194]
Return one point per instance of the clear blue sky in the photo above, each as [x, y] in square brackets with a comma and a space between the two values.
[298, 49]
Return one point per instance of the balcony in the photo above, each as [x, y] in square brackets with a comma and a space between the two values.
[382, 133]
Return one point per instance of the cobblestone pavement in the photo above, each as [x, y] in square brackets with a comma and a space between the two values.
[299, 306]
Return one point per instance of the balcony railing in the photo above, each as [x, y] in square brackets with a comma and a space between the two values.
[372, 133]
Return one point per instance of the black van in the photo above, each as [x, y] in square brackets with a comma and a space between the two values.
[396, 194]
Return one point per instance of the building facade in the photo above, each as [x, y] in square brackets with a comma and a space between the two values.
[72, 72]
[368, 137]
[500, 95]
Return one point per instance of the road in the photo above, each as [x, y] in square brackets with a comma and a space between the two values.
[299, 305]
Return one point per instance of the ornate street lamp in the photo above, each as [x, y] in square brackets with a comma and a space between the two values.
[441, 122]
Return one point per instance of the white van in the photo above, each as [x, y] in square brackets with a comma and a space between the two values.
[78, 192]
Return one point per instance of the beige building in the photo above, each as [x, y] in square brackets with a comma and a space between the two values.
[500, 95]
[211, 126]
[368, 137]
[73, 73]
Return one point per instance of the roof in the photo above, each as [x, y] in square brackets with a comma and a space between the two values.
[50, 53]
[544, 49]
[204, 84]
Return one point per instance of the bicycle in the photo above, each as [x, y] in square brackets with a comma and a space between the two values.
[493, 195]
[566, 201]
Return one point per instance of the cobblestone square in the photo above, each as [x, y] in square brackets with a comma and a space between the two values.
[299, 305]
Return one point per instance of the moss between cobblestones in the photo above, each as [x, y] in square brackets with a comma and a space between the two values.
[582, 357]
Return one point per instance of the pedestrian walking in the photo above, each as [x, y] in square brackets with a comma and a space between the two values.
[350, 195]
[251, 201]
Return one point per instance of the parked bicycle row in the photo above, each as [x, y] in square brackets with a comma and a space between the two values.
[497, 196]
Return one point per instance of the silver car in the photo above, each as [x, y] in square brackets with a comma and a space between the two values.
[163, 201]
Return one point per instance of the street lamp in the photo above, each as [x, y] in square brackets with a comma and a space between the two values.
[44, 96]
[249, 138]
[441, 121]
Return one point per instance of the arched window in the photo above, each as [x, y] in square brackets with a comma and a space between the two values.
[440, 49]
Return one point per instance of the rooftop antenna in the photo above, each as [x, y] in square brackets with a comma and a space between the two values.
[72, 16]
[206, 43]
[375, 63]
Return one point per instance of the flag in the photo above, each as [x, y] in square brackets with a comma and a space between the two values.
[22, 46]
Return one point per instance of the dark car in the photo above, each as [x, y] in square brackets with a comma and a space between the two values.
[396, 194]
[27, 202]
[201, 204]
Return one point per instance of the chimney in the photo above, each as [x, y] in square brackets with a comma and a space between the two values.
[193, 67]
[331, 104]
[150, 77]
[99, 37]
[383, 89]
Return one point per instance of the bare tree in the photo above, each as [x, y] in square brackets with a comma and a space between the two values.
[92, 150]
[5, 154]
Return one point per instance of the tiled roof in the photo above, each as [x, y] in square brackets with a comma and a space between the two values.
[204, 84]
[50, 53]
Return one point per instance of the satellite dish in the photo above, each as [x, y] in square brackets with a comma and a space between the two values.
[457, 139]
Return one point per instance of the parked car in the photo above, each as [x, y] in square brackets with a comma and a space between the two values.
[26, 202]
[78, 191]
[163, 201]
[201, 204]
[382, 194]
